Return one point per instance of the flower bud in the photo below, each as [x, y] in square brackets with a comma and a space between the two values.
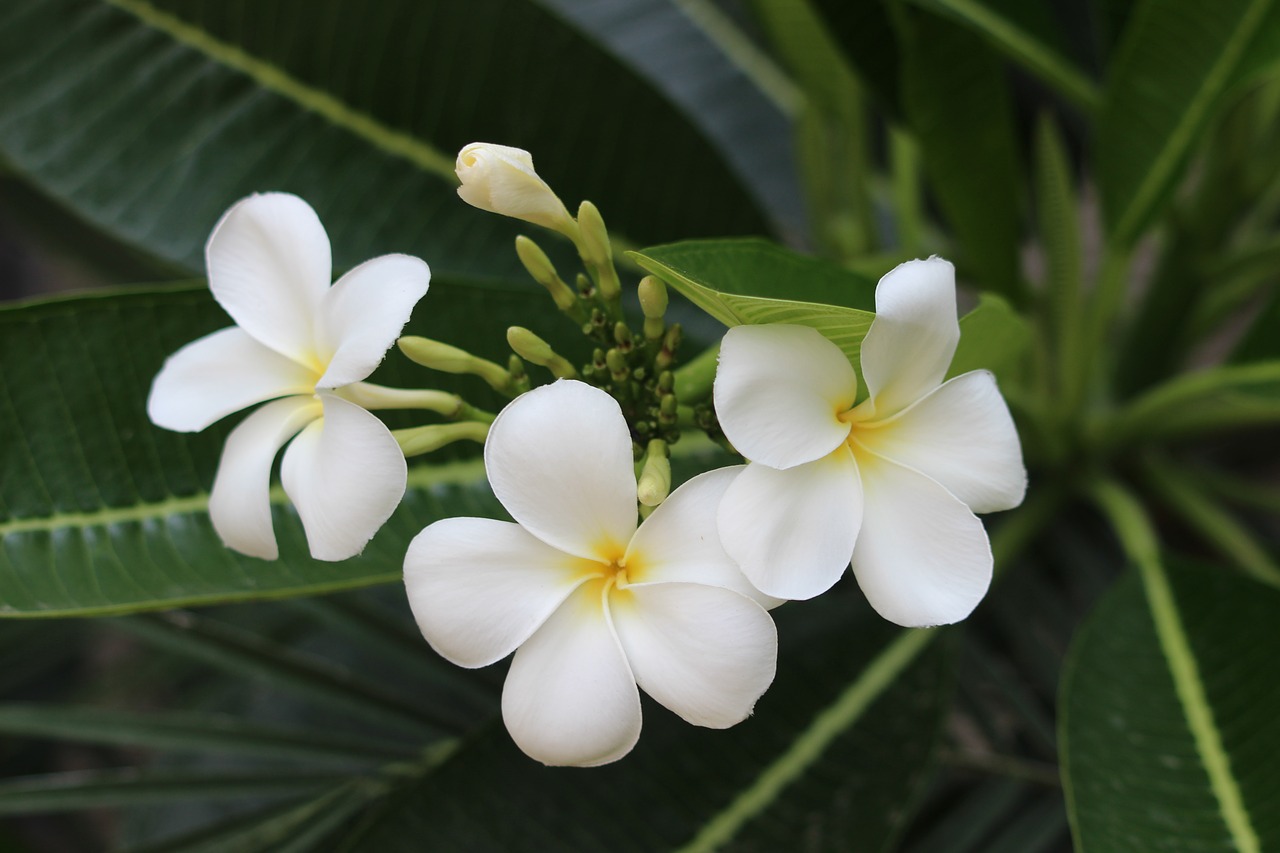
[655, 479]
[653, 302]
[544, 273]
[596, 251]
[424, 439]
[534, 349]
[501, 180]
[450, 359]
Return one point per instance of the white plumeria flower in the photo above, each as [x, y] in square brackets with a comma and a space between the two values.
[301, 344]
[893, 482]
[501, 179]
[593, 604]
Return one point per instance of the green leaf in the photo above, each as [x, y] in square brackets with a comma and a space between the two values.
[192, 732]
[1220, 398]
[834, 751]
[1057, 217]
[1027, 34]
[150, 117]
[870, 43]
[102, 512]
[70, 791]
[1175, 61]
[267, 829]
[247, 654]
[992, 337]
[754, 281]
[832, 128]
[958, 106]
[1169, 711]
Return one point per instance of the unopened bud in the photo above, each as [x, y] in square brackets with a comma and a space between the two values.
[653, 302]
[595, 237]
[667, 410]
[501, 179]
[424, 439]
[596, 251]
[534, 349]
[617, 363]
[544, 273]
[666, 382]
[450, 359]
[670, 343]
[655, 479]
[622, 336]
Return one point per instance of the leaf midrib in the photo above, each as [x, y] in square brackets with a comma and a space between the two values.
[271, 77]
[421, 477]
[808, 747]
[1196, 709]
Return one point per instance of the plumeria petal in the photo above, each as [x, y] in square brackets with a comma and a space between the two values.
[559, 459]
[221, 373]
[570, 697]
[269, 266]
[792, 531]
[479, 588]
[705, 653]
[910, 343]
[345, 474]
[362, 315]
[778, 391]
[240, 505]
[961, 435]
[501, 179]
[923, 557]
[679, 541]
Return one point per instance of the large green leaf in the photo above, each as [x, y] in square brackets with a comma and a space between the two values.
[754, 281]
[958, 106]
[1027, 33]
[100, 511]
[1174, 63]
[149, 117]
[834, 752]
[1169, 715]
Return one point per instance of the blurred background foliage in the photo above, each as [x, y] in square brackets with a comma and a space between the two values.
[1108, 168]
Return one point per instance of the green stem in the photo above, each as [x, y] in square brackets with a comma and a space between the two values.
[1210, 520]
[694, 380]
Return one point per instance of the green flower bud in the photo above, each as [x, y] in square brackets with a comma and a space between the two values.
[544, 273]
[534, 349]
[424, 439]
[653, 302]
[450, 359]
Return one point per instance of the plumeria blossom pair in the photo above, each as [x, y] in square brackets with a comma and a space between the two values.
[591, 603]
[305, 346]
[891, 483]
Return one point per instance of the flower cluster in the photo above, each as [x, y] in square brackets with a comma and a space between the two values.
[606, 582]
